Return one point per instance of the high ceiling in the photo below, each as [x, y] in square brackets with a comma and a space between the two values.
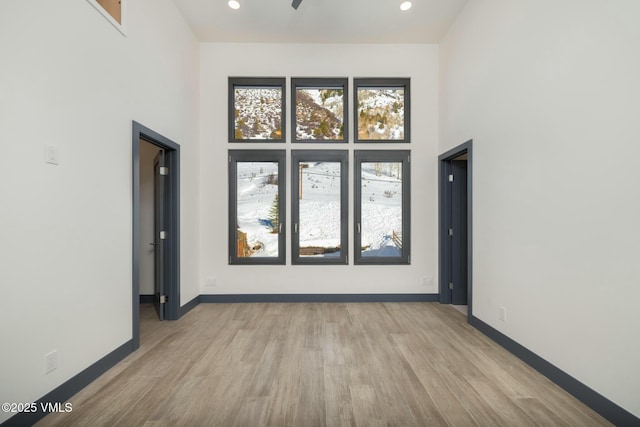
[320, 21]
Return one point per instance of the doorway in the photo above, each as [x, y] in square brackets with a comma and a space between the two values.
[156, 241]
[455, 248]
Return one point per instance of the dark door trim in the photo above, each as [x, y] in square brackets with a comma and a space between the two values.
[444, 247]
[172, 200]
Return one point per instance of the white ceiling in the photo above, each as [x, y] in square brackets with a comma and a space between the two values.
[320, 21]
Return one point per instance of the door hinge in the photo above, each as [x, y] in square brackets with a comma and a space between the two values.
[451, 285]
[164, 170]
[163, 235]
[451, 178]
[163, 299]
[451, 232]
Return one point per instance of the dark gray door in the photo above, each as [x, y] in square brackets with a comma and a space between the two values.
[459, 270]
[160, 232]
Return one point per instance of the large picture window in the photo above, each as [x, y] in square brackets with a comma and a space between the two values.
[382, 206]
[257, 206]
[256, 109]
[319, 212]
[319, 109]
[383, 111]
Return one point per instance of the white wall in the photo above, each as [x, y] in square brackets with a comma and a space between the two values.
[70, 79]
[549, 90]
[220, 61]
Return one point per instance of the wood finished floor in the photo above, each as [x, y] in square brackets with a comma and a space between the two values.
[305, 364]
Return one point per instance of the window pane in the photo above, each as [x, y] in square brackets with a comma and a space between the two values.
[258, 216]
[320, 210]
[319, 114]
[380, 114]
[258, 113]
[381, 198]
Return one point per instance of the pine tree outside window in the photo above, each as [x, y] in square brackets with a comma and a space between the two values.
[382, 109]
[257, 206]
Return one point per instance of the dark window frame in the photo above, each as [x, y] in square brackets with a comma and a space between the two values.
[265, 155]
[320, 83]
[341, 156]
[257, 83]
[383, 83]
[383, 156]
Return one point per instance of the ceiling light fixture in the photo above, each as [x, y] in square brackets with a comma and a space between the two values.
[405, 6]
[233, 4]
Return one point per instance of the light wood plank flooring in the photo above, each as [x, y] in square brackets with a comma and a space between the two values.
[304, 364]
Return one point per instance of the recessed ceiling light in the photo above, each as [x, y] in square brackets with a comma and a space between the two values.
[233, 4]
[405, 6]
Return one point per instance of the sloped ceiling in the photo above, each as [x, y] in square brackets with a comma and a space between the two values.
[320, 21]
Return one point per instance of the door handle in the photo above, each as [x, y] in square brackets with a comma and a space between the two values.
[154, 244]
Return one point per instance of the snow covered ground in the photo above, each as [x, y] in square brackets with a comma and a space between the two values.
[320, 206]
[381, 114]
[255, 200]
[332, 105]
[381, 208]
[258, 113]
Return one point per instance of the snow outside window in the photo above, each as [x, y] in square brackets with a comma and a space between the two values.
[320, 109]
[382, 212]
[256, 109]
[382, 110]
[256, 206]
[319, 196]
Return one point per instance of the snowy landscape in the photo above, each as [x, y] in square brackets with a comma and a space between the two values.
[380, 114]
[256, 193]
[320, 208]
[319, 114]
[258, 113]
[381, 209]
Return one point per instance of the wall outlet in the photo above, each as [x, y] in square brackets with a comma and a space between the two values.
[51, 361]
[427, 280]
[210, 282]
[503, 314]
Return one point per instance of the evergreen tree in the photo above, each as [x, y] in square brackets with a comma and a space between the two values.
[324, 128]
[274, 215]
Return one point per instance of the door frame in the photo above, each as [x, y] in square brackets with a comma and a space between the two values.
[172, 200]
[444, 246]
[160, 213]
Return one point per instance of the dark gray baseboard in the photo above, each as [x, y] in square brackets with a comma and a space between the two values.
[146, 299]
[594, 400]
[63, 392]
[188, 306]
[248, 298]
[609, 410]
